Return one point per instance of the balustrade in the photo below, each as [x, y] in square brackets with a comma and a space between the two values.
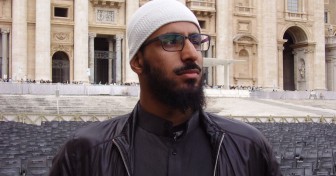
[296, 16]
[244, 10]
[116, 3]
[201, 5]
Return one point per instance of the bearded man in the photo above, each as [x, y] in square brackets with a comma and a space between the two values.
[168, 133]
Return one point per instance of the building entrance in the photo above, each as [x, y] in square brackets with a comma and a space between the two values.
[60, 68]
[288, 64]
[105, 62]
[296, 58]
[101, 67]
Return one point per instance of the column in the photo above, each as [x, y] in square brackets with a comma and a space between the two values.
[131, 7]
[227, 75]
[267, 35]
[311, 67]
[91, 57]
[81, 31]
[4, 33]
[110, 61]
[223, 40]
[19, 40]
[118, 39]
[280, 66]
[210, 71]
[319, 38]
[42, 41]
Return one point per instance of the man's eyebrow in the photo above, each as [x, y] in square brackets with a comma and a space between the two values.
[194, 33]
[180, 33]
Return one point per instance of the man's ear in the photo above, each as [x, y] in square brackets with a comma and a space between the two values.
[137, 63]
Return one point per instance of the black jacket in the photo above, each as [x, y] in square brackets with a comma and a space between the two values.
[106, 148]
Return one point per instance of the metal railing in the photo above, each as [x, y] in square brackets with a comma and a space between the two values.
[104, 54]
[37, 119]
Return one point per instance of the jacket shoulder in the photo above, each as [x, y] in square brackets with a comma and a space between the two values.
[237, 128]
[100, 132]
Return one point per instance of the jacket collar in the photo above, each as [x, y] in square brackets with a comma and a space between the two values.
[165, 128]
[126, 138]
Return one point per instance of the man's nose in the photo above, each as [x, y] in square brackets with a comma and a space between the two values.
[189, 52]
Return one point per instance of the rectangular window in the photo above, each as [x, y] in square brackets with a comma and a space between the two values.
[60, 12]
[326, 20]
[202, 24]
[293, 5]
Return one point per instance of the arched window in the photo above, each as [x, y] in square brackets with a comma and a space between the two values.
[242, 68]
[60, 68]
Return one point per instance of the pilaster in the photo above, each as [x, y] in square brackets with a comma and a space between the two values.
[280, 65]
[224, 39]
[91, 56]
[130, 75]
[43, 68]
[319, 37]
[19, 40]
[81, 31]
[118, 62]
[4, 33]
[269, 54]
[110, 61]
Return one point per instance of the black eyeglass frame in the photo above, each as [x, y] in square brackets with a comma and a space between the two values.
[160, 38]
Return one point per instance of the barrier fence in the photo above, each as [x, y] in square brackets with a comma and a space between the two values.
[37, 119]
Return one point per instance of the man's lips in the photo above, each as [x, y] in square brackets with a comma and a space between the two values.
[189, 72]
[189, 68]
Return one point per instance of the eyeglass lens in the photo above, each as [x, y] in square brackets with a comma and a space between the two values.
[175, 42]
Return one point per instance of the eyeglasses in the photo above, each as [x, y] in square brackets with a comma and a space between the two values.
[175, 42]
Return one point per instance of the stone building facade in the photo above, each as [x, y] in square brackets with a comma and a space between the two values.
[282, 45]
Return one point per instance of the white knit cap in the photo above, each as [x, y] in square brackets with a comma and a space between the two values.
[151, 16]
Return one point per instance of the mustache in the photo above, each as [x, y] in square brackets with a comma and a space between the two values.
[187, 66]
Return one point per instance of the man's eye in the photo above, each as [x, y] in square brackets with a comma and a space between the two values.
[170, 42]
[196, 42]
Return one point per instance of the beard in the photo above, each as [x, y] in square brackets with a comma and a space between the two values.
[166, 90]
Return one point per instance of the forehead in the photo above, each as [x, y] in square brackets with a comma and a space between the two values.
[184, 28]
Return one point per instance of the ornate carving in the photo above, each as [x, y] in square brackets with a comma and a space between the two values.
[65, 48]
[62, 37]
[5, 30]
[308, 50]
[118, 37]
[330, 30]
[302, 69]
[92, 35]
[246, 39]
[281, 47]
[105, 16]
[108, 3]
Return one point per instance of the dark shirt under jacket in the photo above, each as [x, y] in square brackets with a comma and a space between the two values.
[164, 150]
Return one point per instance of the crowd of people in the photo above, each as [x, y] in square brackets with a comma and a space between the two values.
[67, 82]
[232, 87]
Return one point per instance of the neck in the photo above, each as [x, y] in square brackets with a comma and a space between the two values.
[157, 108]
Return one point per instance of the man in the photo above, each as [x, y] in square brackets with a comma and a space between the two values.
[167, 133]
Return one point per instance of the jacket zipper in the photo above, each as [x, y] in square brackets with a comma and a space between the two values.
[216, 162]
[122, 156]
